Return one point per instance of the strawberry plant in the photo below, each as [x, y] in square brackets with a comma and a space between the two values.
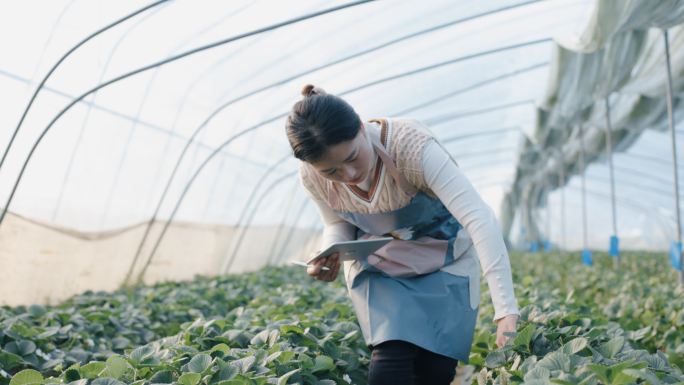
[579, 325]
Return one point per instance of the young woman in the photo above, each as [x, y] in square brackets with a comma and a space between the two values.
[416, 298]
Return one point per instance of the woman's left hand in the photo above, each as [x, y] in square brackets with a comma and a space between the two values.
[506, 324]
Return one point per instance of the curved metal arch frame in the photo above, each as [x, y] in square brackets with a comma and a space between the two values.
[471, 87]
[392, 42]
[229, 197]
[73, 152]
[432, 29]
[462, 114]
[275, 118]
[483, 133]
[448, 62]
[288, 237]
[286, 214]
[153, 65]
[54, 67]
[252, 214]
[239, 224]
[141, 106]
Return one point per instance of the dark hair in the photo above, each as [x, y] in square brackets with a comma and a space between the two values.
[318, 121]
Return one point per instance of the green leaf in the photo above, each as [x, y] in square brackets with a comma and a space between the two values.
[623, 378]
[495, 359]
[644, 374]
[286, 356]
[228, 371]
[236, 381]
[603, 372]
[117, 366]
[139, 354]
[106, 381]
[291, 329]
[611, 348]
[272, 357]
[237, 336]
[561, 382]
[636, 335]
[575, 346]
[245, 363]
[220, 347]
[282, 380]
[522, 340]
[349, 335]
[162, 377]
[323, 363]
[615, 371]
[27, 377]
[537, 373]
[20, 330]
[593, 333]
[92, 369]
[120, 343]
[556, 361]
[273, 337]
[537, 382]
[189, 379]
[627, 364]
[36, 310]
[261, 338]
[199, 363]
[22, 347]
[10, 360]
[656, 362]
[528, 281]
[49, 332]
[71, 375]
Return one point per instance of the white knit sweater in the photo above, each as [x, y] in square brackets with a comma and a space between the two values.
[443, 179]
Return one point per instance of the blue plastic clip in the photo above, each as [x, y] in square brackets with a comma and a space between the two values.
[614, 246]
[675, 255]
[534, 247]
[586, 257]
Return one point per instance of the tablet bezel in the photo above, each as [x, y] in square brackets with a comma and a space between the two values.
[353, 250]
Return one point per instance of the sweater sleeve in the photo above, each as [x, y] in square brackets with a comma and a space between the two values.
[445, 179]
[335, 229]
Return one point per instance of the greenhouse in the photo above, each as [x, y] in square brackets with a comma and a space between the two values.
[326, 192]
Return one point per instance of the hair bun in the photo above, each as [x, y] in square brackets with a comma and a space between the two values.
[310, 90]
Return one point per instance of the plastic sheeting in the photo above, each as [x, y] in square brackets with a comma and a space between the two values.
[486, 77]
[471, 69]
[619, 57]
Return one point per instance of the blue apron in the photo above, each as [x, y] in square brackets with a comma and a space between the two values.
[421, 304]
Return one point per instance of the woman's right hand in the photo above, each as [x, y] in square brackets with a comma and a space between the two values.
[332, 261]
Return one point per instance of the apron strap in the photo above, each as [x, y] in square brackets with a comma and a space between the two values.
[401, 181]
[398, 177]
[332, 194]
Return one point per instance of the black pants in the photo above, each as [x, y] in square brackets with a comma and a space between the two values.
[398, 362]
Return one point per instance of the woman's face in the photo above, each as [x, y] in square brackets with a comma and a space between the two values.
[347, 162]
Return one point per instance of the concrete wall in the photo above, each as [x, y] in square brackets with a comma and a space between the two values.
[43, 264]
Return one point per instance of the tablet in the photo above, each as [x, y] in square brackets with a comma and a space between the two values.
[352, 250]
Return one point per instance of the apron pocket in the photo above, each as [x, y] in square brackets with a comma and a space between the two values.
[459, 287]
